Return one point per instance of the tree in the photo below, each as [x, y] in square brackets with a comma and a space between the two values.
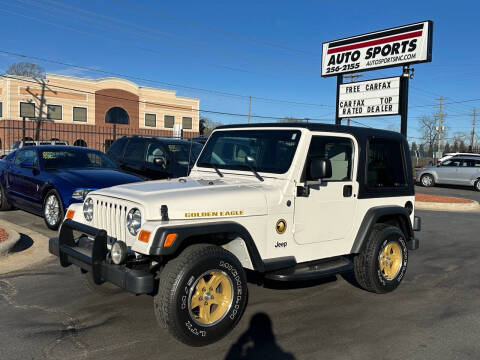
[414, 146]
[201, 126]
[209, 125]
[428, 129]
[447, 148]
[421, 150]
[26, 69]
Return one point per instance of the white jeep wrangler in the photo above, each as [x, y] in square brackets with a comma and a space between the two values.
[289, 202]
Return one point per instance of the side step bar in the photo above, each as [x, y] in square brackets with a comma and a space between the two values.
[312, 270]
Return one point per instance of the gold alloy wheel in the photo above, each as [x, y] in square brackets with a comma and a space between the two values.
[211, 297]
[390, 260]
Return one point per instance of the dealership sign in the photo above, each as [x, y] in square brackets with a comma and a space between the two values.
[407, 44]
[369, 98]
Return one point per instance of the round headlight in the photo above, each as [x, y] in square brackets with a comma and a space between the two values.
[134, 221]
[88, 209]
[119, 252]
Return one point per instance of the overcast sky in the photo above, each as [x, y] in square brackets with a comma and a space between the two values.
[263, 49]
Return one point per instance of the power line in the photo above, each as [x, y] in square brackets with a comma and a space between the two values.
[222, 93]
[217, 30]
[156, 103]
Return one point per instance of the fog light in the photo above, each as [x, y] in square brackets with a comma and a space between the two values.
[119, 252]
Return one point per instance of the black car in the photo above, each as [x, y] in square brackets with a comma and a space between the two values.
[155, 157]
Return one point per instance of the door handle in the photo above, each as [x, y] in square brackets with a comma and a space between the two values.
[347, 190]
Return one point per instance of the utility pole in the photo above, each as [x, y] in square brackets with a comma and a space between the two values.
[352, 78]
[249, 107]
[473, 129]
[440, 124]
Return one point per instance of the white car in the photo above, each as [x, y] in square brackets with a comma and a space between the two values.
[450, 155]
[287, 201]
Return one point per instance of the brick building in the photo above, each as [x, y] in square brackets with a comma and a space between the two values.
[91, 112]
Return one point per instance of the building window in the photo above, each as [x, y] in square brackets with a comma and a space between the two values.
[117, 115]
[1, 109]
[79, 114]
[187, 123]
[27, 109]
[54, 112]
[151, 120]
[169, 121]
[80, 142]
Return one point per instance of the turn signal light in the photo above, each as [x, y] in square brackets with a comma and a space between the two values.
[144, 236]
[70, 214]
[169, 239]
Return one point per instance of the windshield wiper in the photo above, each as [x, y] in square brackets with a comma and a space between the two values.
[252, 169]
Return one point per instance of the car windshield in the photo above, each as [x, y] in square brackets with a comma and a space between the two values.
[54, 159]
[181, 152]
[269, 151]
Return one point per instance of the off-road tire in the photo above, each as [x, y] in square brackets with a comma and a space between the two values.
[176, 283]
[476, 186]
[367, 263]
[105, 289]
[4, 204]
[61, 214]
[427, 183]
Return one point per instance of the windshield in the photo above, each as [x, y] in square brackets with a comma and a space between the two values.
[54, 159]
[269, 151]
[181, 152]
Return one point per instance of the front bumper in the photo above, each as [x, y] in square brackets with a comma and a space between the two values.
[91, 256]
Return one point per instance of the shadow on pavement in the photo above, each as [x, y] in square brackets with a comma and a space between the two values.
[22, 244]
[258, 342]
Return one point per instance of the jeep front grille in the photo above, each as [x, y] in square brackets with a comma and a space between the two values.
[111, 217]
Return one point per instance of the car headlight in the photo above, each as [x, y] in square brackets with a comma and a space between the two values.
[118, 252]
[80, 194]
[134, 221]
[88, 209]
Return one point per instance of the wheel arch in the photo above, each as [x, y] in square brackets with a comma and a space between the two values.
[236, 238]
[392, 215]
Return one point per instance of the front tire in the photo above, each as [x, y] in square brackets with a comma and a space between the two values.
[202, 294]
[381, 266]
[52, 210]
[427, 180]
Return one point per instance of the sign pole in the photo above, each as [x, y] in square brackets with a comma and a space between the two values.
[338, 120]
[404, 99]
[23, 130]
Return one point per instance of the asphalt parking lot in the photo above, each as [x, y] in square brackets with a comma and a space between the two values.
[46, 313]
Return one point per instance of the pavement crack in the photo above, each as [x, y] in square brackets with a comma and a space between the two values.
[71, 325]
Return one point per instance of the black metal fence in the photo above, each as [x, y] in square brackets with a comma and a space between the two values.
[93, 136]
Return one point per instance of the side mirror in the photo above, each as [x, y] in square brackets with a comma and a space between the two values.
[320, 169]
[160, 161]
[27, 164]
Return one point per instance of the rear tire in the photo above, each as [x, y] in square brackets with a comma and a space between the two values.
[53, 210]
[202, 294]
[4, 203]
[476, 186]
[427, 180]
[382, 264]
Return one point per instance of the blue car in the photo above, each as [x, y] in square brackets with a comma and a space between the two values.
[45, 180]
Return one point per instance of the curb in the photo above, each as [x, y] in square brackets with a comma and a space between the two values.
[6, 245]
[35, 254]
[473, 206]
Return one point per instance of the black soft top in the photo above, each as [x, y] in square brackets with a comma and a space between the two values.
[356, 131]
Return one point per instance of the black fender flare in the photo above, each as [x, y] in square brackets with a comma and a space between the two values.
[186, 231]
[371, 218]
